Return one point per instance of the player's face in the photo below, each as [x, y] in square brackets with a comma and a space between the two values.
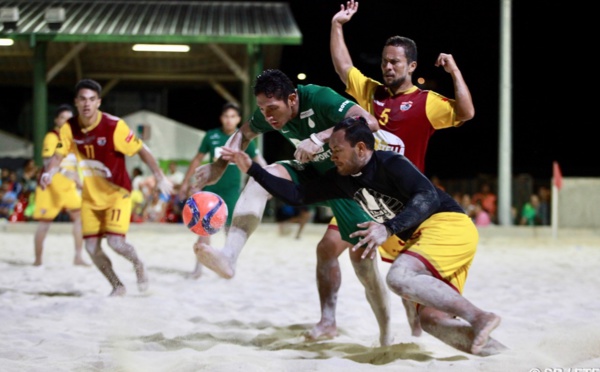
[87, 103]
[276, 112]
[62, 118]
[230, 120]
[395, 67]
[343, 155]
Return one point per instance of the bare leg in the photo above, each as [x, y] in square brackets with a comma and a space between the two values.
[412, 317]
[40, 236]
[76, 218]
[329, 280]
[303, 219]
[455, 332]
[410, 279]
[197, 273]
[103, 263]
[119, 245]
[376, 292]
[247, 214]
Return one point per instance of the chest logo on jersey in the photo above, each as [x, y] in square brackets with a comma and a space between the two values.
[101, 141]
[307, 113]
[405, 106]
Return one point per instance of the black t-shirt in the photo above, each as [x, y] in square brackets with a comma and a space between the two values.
[389, 188]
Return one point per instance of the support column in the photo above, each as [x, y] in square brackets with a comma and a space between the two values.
[40, 100]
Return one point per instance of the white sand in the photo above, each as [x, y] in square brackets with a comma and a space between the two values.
[58, 317]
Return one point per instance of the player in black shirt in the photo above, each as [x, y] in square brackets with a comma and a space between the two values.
[426, 234]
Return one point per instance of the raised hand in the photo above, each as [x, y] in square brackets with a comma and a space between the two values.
[346, 12]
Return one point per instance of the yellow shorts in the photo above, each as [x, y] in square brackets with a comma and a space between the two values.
[60, 194]
[113, 220]
[445, 243]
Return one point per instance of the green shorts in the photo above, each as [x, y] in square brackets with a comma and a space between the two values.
[229, 195]
[347, 212]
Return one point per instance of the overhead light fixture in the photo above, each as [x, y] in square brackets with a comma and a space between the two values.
[161, 48]
[54, 17]
[6, 42]
[9, 18]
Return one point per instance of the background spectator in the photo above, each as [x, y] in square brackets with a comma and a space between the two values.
[487, 199]
[529, 212]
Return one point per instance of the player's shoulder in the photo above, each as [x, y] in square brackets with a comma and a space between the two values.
[314, 89]
[436, 95]
[111, 119]
[388, 157]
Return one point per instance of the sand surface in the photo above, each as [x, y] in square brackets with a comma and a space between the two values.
[58, 317]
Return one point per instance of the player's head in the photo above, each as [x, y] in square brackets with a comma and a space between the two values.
[398, 61]
[87, 98]
[276, 97]
[62, 113]
[351, 144]
[230, 117]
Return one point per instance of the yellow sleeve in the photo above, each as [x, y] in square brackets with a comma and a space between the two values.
[51, 141]
[125, 140]
[361, 88]
[441, 111]
[65, 141]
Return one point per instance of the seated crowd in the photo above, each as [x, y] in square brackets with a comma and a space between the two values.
[17, 191]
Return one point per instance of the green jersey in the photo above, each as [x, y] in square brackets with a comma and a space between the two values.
[321, 108]
[212, 143]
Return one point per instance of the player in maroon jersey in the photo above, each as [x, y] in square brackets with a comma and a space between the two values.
[407, 116]
[101, 141]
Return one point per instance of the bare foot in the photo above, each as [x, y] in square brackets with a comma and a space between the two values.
[119, 291]
[492, 347]
[80, 262]
[37, 263]
[197, 273]
[321, 332]
[482, 328]
[214, 260]
[142, 278]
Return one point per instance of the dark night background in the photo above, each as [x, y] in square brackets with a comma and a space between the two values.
[470, 31]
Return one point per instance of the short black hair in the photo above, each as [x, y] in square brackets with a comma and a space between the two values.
[357, 130]
[274, 84]
[409, 46]
[62, 108]
[231, 105]
[88, 84]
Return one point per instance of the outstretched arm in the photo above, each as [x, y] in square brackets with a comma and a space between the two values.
[163, 183]
[281, 188]
[209, 174]
[314, 144]
[464, 103]
[51, 166]
[196, 161]
[342, 62]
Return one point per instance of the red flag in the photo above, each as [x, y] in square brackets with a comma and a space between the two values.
[557, 175]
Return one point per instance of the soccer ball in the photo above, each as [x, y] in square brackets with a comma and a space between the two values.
[204, 213]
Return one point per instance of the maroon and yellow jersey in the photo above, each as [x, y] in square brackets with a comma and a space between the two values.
[100, 151]
[411, 116]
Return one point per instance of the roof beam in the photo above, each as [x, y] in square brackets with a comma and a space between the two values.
[223, 92]
[161, 77]
[233, 66]
[74, 52]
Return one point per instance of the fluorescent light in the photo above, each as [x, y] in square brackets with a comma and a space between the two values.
[161, 48]
[6, 42]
